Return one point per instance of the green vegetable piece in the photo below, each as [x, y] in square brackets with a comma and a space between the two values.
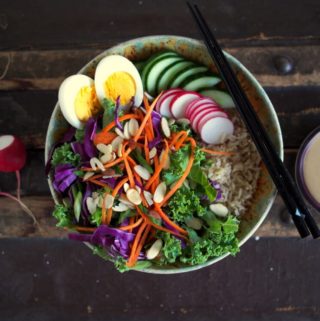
[79, 135]
[96, 217]
[63, 214]
[171, 249]
[109, 108]
[141, 160]
[65, 155]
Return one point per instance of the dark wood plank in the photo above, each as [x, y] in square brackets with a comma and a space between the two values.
[60, 280]
[27, 113]
[29, 70]
[62, 24]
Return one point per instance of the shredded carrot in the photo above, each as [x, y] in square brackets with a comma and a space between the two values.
[107, 165]
[107, 215]
[176, 137]
[85, 229]
[146, 150]
[132, 225]
[180, 142]
[159, 168]
[104, 138]
[159, 227]
[167, 219]
[122, 118]
[139, 247]
[131, 221]
[129, 173]
[217, 152]
[94, 181]
[136, 241]
[149, 123]
[179, 183]
[156, 165]
[145, 119]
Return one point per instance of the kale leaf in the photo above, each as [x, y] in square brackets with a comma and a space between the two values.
[65, 155]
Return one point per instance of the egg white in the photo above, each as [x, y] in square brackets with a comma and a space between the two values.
[67, 94]
[116, 63]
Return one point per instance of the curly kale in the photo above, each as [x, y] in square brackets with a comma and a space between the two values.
[64, 215]
[65, 155]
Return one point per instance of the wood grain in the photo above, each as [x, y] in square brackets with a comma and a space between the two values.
[66, 24]
[45, 70]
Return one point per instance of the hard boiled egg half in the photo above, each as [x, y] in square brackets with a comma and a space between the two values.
[78, 100]
[116, 76]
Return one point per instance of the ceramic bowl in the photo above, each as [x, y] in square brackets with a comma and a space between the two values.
[140, 49]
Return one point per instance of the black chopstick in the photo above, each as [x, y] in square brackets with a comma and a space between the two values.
[280, 175]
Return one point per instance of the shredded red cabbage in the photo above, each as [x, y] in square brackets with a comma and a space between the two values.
[90, 131]
[116, 114]
[78, 148]
[64, 177]
[90, 188]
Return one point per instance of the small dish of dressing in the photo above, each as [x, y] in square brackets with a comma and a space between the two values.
[308, 168]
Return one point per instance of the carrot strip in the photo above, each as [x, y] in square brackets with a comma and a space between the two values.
[180, 142]
[98, 183]
[179, 183]
[167, 219]
[217, 152]
[149, 123]
[159, 168]
[129, 173]
[115, 162]
[131, 226]
[122, 118]
[107, 215]
[131, 262]
[158, 227]
[139, 247]
[146, 149]
[156, 165]
[176, 137]
[131, 221]
[85, 229]
[145, 119]
[104, 138]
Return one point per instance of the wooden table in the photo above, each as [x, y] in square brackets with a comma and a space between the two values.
[45, 277]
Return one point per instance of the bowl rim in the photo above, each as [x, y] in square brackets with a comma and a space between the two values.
[262, 95]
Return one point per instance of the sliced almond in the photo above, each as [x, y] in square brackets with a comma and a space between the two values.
[152, 152]
[138, 189]
[91, 205]
[183, 121]
[99, 201]
[167, 162]
[126, 187]
[116, 142]
[142, 172]
[194, 223]
[149, 197]
[133, 126]
[114, 156]
[171, 121]
[121, 207]
[119, 132]
[160, 192]
[95, 164]
[133, 196]
[219, 209]
[87, 175]
[126, 202]
[95, 195]
[126, 132]
[103, 148]
[106, 158]
[120, 150]
[165, 127]
[108, 201]
[154, 250]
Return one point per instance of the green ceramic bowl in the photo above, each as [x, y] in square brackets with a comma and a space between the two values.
[140, 49]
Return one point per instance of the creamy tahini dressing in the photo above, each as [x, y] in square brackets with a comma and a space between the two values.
[311, 168]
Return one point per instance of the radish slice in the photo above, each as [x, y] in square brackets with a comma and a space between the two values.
[202, 107]
[12, 153]
[164, 108]
[164, 95]
[207, 115]
[215, 130]
[202, 114]
[180, 103]
[196, 103]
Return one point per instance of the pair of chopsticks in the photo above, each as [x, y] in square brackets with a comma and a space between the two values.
[284, 182]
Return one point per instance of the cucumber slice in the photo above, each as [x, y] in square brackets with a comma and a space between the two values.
[156, 70]
[200, 81]
[184, 74]
[221, 97]
[171, 72]
[153, 59]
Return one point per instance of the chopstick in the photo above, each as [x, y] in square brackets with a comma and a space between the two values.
[284, 182]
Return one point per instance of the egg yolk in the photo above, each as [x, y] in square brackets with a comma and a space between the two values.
[86, 103]
[120, 84]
